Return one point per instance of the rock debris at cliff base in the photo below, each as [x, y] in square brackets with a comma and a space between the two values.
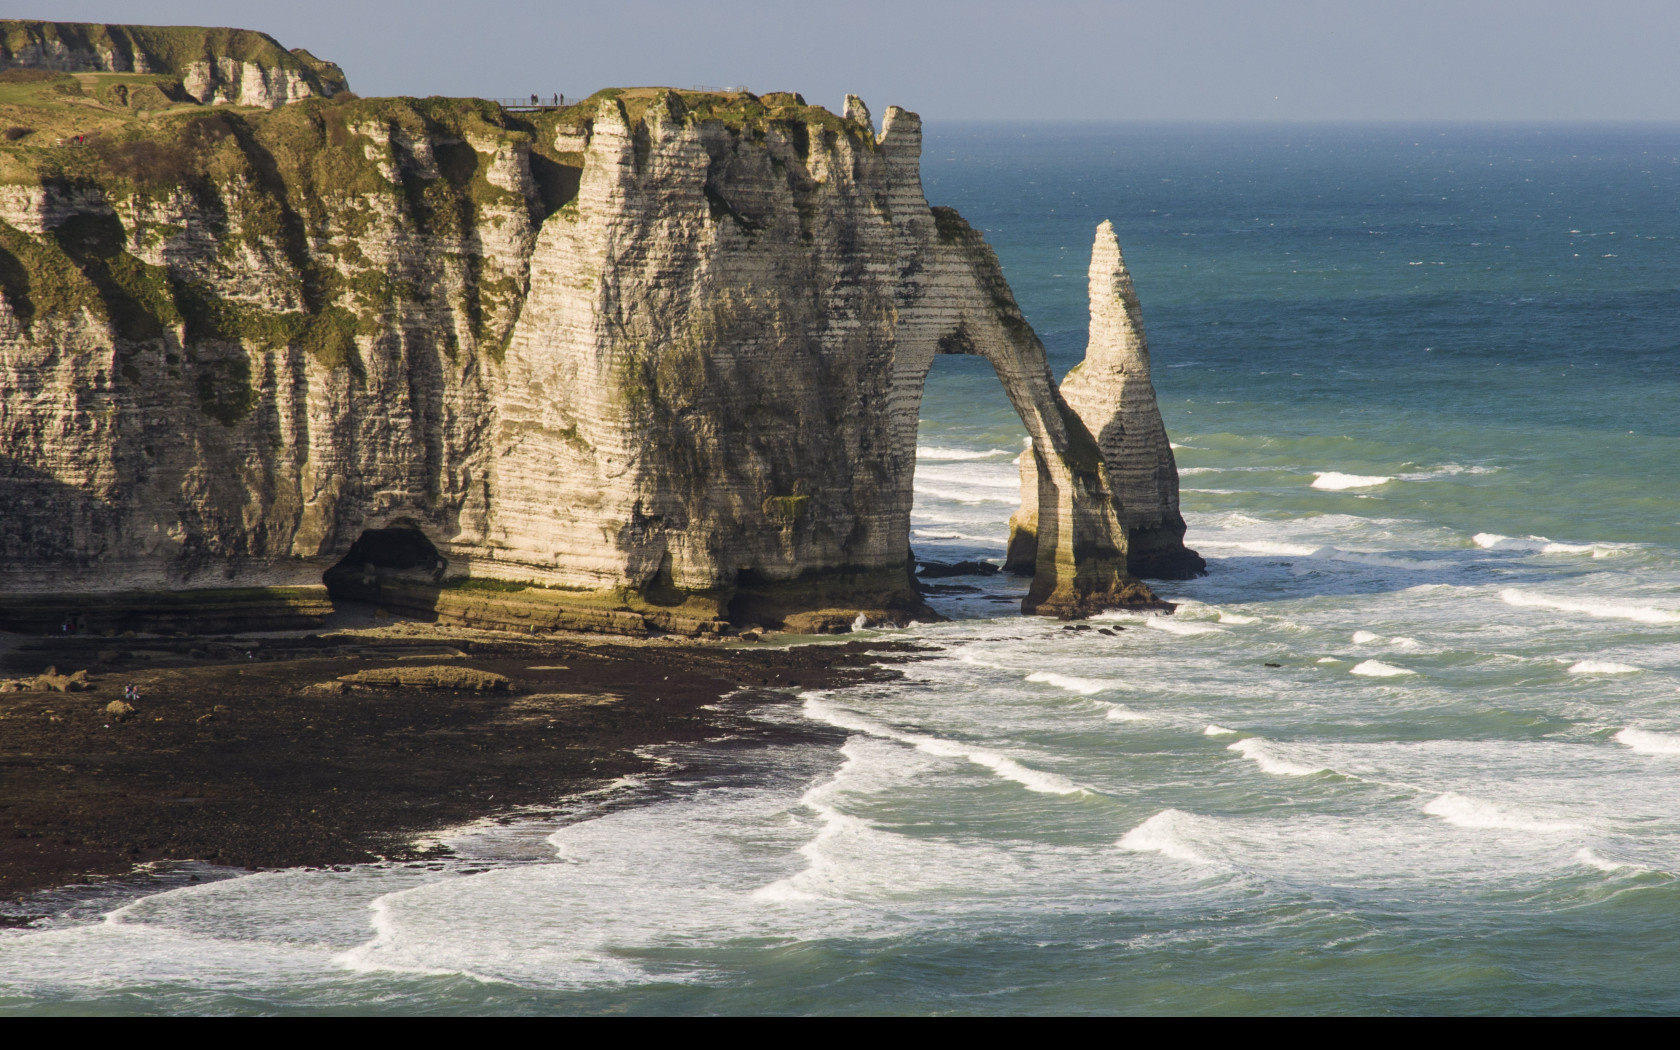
[229, 756]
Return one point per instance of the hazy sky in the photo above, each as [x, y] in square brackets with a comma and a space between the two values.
[1058, 59]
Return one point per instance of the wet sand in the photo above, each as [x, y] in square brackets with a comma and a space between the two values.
[246, 752]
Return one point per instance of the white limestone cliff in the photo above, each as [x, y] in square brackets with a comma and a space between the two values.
[683, 396]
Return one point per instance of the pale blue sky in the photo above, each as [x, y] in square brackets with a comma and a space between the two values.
[1058, 59]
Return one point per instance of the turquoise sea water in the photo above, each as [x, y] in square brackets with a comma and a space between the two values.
[1424, 383]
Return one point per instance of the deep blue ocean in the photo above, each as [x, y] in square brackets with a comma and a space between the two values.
[1412, 746]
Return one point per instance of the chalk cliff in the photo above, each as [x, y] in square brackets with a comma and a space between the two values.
[209, 66]
[650, 362]
[1113, 395]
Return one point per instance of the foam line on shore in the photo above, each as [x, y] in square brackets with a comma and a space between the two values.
[998, 763]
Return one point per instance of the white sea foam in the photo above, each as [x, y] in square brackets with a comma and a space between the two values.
[987, 477]
[1386, 561]
[1335, 482]
[1602, 667]
[964, 495]
[1122, 713]
[1466, 812]
[1648, 743]
[1286, 550]
[1218, 731]
[1541, 545]
[946, 536]
[939, 454]
[1453, 469]
[1397, 642]
[1261, 753]
[1600, 609]
[1237, 618]
[1002, 765]
[1166, 833]
[1604, 864]
[1185, 628]
[1378, 669]
[1082, 686]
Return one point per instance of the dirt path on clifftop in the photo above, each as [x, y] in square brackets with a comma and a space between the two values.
[249, 752]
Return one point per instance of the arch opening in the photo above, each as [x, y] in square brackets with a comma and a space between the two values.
[967, 481]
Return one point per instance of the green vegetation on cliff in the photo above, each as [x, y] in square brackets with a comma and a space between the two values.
[303, 189]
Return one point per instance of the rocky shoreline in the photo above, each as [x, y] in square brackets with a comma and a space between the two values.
[284, 750]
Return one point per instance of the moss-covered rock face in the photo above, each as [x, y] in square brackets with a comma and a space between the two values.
[652, 361]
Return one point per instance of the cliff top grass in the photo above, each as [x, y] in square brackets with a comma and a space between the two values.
[736, 109]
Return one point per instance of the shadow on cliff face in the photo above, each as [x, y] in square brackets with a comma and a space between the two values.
[45, 522]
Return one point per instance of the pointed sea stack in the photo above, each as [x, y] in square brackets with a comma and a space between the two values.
[1112, 393]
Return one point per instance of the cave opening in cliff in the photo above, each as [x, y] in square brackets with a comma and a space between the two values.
[967, 479]
[381, 554]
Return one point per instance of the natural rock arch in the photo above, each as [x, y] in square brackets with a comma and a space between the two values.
[815, 381]
[681, 396]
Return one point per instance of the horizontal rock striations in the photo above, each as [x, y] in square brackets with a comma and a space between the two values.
[209, 66]
[652, 362]
[1112, 393]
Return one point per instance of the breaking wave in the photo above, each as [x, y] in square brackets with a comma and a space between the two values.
[1165, 833]
[1378, 669]
[1466, 812]
[1335, 482]
[1082, 686]
[1648, 743]
[1602, 667]
[939, 454]
[1259, 751]
[1602, 610]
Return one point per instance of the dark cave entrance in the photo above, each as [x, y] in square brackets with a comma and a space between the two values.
[381, 556]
